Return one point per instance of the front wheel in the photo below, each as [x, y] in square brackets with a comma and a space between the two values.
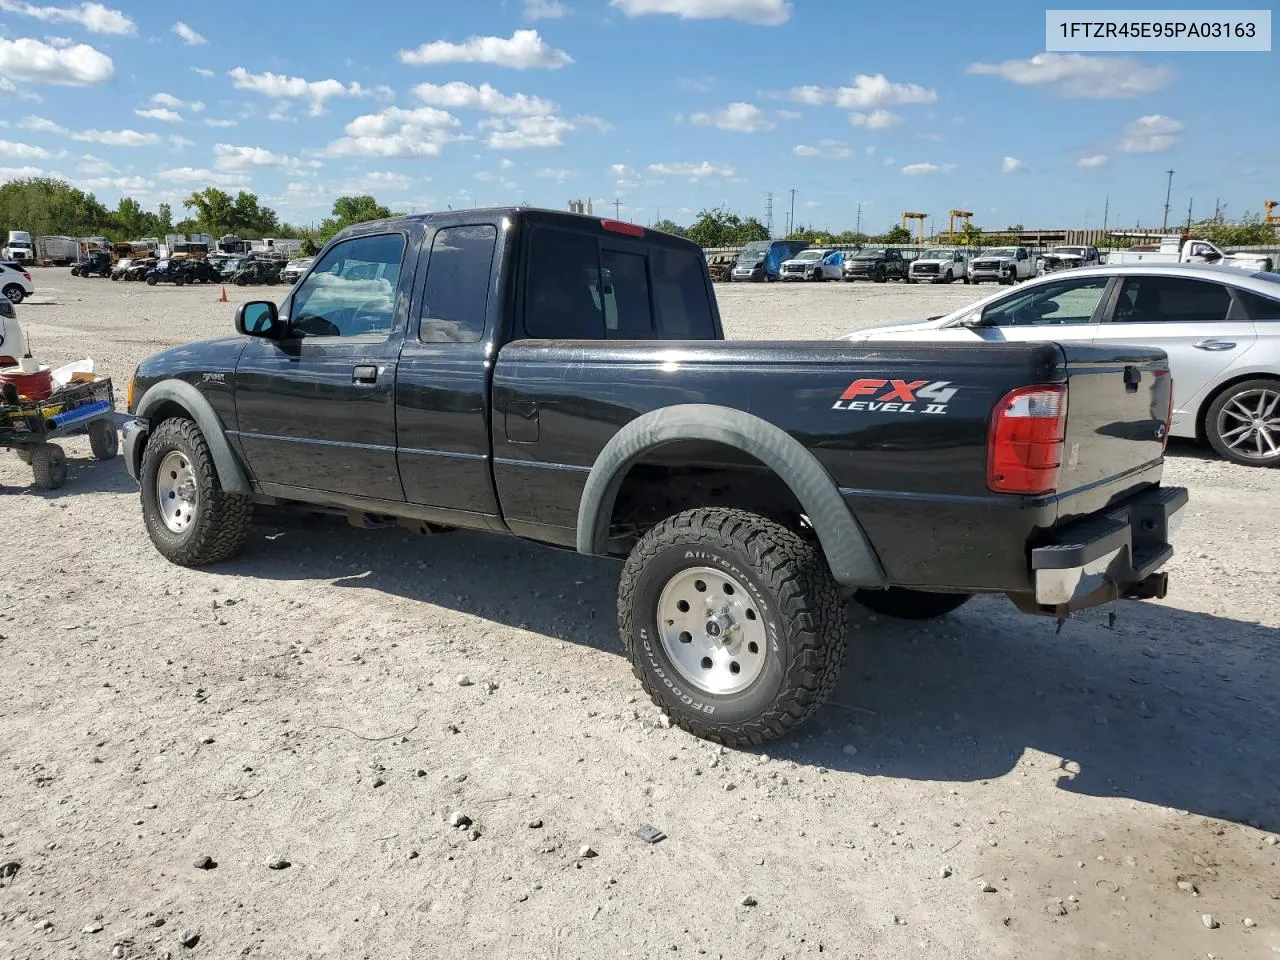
[103, 440]
[188, 516]
[14, 293]
[908, 604]
[152, 281]
[880, 276]
[1243, 424]
[733, 624]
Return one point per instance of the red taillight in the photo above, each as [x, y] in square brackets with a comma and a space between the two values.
[1028, 434]
[27, 275]
[618, 226]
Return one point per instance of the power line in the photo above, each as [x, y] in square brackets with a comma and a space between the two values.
[768, 213]
[791, 217]
[1168, 190]
[617, 208]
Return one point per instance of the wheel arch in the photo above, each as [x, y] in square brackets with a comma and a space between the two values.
[1202, 412]
[848, 551]
[177, 398]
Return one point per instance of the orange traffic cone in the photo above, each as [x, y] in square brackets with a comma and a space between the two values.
[223, 298]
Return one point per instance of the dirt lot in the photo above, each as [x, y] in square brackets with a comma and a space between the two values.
[303, 703]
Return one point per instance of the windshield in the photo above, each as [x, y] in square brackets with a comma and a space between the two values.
[809, 255]
[936, 253]
[1069, 251]
[1001, 252]
[870, 254]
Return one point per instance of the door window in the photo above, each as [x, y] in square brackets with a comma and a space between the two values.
[456, 294]
[352, 290]
[1171, 300]
[1064, 302]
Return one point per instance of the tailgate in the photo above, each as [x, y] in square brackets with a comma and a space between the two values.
[1118, 402]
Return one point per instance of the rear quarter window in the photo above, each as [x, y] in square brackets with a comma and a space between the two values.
[1259, 307]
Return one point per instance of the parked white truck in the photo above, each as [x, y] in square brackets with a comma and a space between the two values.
[1177, 250]
[939, 265]
[1003, 265]
[18, 247]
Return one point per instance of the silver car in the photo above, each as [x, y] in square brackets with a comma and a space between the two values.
[1220, 327]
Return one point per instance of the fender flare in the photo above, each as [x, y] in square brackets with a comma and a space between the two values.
[230, 474]
[849, 553]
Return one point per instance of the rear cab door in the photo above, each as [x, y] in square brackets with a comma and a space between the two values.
[1199, 323]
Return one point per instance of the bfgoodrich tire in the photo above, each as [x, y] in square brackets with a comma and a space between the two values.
[188, 516]
[908, 604]
[733, 624]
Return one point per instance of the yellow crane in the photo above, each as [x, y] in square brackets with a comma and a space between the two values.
[920, 217]
[1271, 217]
[964, 215]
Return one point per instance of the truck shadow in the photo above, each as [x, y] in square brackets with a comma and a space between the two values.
[1173, 708]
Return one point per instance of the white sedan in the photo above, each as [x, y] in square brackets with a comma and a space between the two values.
[1219, 326]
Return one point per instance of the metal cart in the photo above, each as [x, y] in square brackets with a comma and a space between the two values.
[29, 427]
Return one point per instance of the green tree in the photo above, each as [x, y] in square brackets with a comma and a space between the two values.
[215, 210]
[47, 206]
[670, 226]
[895, 234]
[164, 220]
[970, 235]
[720, 228]
[1248, 232]
[131, 221]
[249, 218]
[350, 210]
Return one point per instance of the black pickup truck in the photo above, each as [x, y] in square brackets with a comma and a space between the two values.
[878, 264]
[564, 379]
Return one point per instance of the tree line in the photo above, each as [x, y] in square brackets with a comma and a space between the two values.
[46, 206]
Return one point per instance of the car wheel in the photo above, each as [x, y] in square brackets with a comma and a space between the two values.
[188, 516]
[49, 465]
[15, 293]
[949, 278]
[733, 624]
[908, 604]
[103, 440]
[967, 281]
[151, 281]
[178, 281]
[880, 276]
[1243, 423]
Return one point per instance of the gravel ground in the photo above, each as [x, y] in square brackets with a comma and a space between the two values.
[979, 787]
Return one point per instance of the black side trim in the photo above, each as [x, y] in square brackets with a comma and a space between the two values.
[231, 474]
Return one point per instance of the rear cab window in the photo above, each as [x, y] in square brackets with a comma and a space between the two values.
[583, 286]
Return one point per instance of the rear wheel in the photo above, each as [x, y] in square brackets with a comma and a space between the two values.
[151, 281]
[880, 275]
[733, 624]
[14, 293]
[188, 516]
[911, 604]
[49, 466]
[1243, 423]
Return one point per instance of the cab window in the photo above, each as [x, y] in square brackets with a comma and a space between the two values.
[1053, 304]
[351, 291]
[1171, 300]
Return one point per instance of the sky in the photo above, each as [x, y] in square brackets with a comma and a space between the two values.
[669, 106]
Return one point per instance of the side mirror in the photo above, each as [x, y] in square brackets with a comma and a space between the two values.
[259, 318]
[972, 320]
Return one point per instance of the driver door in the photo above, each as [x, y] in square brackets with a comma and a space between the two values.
[316, 409]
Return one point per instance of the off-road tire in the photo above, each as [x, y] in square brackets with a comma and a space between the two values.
[222, 519]
[23, 454]
[14, 293]
[908, 604]
[798, 602]
[103, 440]
[49, 466]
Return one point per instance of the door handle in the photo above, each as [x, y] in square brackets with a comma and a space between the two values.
[365, 375]
[1215, 345]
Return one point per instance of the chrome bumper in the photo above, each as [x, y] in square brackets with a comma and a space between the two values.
[134, 434]
[1110, 555]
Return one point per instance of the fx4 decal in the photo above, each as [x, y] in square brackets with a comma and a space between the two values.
[897, 396]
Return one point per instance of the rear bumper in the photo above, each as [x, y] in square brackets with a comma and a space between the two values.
[134, 435]
[1111, 554]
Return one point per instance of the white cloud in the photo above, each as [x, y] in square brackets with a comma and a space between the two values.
[889, 161]
[765, 13]
[826, 149]
[598, 123]
[35, 62]
[203, 177]
[554, 173]
[172, 102]
[484, 176]
[1077, 76]
[1150, 134]
[920, 169]
[1012, 165]
[788, 114]
[544, 9]
[314, 92]
[189, 36]
[215, 122]
[877, 91]
[523, 51]
[19, 173]
[180, 143]
[118, 138]
[1093, 162]
[395, 132]
[94, 166]
[202, 71]
[812, 95]
[626, 177]
[393, 119]
[463, 96]
[694, 171]
[875, 120]
[94, 17]
[40, 125]
[228, 157]
[371, 182]
[125, 184]
[739, 117]
[22, 151]
[164, 114]
[523, 133]
[506, 164]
